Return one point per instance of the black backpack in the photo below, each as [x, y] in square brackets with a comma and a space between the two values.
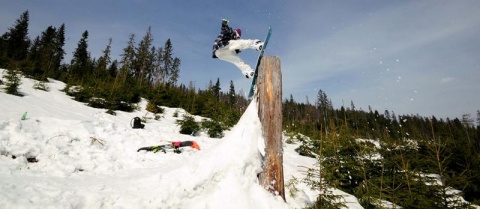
[137, 123]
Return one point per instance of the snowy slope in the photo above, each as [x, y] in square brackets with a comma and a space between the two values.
[88, 159]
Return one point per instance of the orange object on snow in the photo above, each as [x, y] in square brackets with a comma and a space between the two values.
[195, 145]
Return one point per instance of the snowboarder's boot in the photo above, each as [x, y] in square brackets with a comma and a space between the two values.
[258, 45]
[249, 74]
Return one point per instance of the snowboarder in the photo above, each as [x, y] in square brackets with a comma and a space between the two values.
[175, 145]
[228, 45]
[179, 144]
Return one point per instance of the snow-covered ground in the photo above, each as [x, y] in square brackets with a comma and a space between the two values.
[86, 158]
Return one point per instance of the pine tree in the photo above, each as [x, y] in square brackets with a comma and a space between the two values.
[166, 62]
[478, 119]
[59, 51]
[127, 62]
[100, 72]
[158, 73]
[331, 170]
[128, 59]
[144, 57]
[113, 69]
[324, 108]
[81, 64]
[3, 51]
[232, 98]
[34, 57]
[467, 121]
[104, 60]
[45, 53]
[174, 72]
[216, 90]
[17, 41]
[12, 82]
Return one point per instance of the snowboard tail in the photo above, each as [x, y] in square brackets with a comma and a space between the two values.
[260, 56]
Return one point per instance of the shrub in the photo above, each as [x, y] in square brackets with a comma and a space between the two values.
[153, 108]
[41, 85]
[188, 125]
[97, 102]
[111, 112]
[13, 81]
[214, 128]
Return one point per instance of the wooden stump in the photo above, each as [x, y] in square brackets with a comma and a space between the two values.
[269, 94]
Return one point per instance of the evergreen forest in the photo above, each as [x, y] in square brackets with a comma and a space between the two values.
[411, 161]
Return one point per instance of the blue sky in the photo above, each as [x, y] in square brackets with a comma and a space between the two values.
[409, 57]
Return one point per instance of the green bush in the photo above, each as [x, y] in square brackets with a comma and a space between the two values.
[111, 112]
[154, 108]
[214, 128]
[188, 125]
[41, 85]
[12, 83]
[97, 102]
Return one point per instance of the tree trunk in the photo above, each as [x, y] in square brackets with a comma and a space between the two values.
[269, 94]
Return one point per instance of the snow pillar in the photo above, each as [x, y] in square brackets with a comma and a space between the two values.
[269, 89]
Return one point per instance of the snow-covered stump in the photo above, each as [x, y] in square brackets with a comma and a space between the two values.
[269, 90]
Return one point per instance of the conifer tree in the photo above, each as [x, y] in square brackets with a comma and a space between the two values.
[174, 72]
[128, 59]
[232, 98]
[478, 119]
[100, 71]
[81, 64]
[166, 67]
[158, 73]
[113, 68]
[167, 61]
[122, 87]
[104, 60]
[17, 41]
[144, 57]
[59, 51]
[12, 82]
[34, 57]
[216, 90]
[3, 51]
[324, 108]
[45, 56]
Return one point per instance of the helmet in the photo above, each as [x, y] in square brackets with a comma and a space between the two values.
[224, 21]
[239, 32]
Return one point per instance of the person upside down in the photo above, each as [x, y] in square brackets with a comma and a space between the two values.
[175, 145]
[179, 144]
[228, 45]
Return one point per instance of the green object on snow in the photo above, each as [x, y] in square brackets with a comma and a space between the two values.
[24, 116]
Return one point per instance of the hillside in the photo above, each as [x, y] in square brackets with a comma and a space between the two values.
[68, 155]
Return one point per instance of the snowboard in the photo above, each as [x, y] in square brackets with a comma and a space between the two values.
[163, 148]
[254, 80]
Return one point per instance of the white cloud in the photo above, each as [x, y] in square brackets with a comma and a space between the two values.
[431, 39]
